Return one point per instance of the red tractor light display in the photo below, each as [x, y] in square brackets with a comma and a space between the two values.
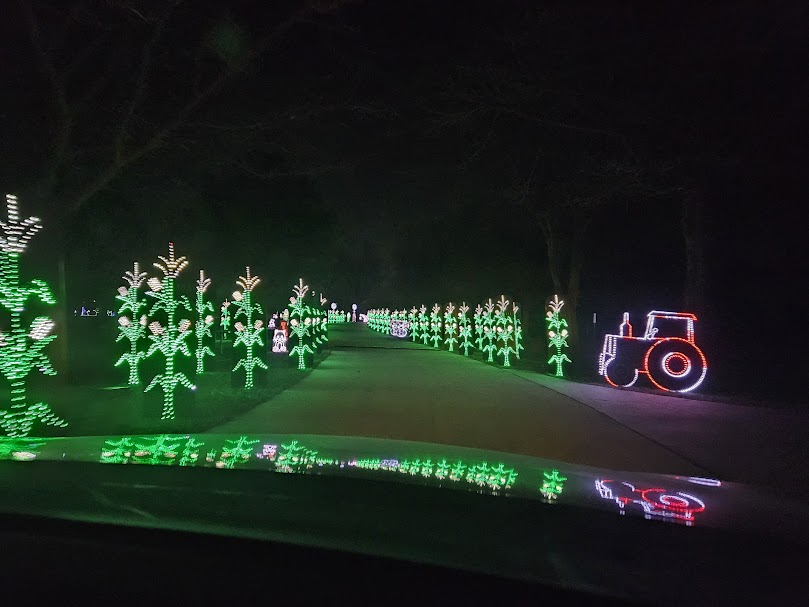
[666, 353]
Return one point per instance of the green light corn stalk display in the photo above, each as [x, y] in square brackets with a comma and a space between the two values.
[131, 329]
[413, 324]
[323, 322]
[168, 340]
[248, 333]
[489, 330]
[517, 331]
[505, 336]
[22, 350]
[300, 323]
[501, 316]
[224, 318]
[202, 327]
[557, 334]
[465, 330]
[552, 484]
[450, 327]
[478, 319]
[435, 325]
[505, 330]
[424, 324]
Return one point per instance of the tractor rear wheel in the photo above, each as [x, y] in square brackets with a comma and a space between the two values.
[675, 365]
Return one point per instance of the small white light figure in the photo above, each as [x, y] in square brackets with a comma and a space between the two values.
[271, 324]
[279, 341]
[353, 312]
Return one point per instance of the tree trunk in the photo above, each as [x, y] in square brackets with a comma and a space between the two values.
[565, 264]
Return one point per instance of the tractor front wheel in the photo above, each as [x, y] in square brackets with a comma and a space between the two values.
[675, 365]
[619, 374]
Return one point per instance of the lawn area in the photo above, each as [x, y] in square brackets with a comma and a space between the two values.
[99, 409]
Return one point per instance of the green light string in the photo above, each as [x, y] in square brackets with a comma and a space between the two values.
[22, 350]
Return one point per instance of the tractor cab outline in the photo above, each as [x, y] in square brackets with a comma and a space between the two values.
[672, 363]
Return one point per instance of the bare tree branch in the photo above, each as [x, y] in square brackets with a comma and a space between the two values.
[140, 88]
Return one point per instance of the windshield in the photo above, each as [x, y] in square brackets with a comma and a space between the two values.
[526, 250]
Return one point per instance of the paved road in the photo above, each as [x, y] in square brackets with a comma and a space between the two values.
[376, 386]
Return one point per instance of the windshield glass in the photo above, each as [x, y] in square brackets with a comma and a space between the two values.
[523, 250]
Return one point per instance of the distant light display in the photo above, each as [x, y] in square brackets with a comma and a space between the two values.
[248, 333]
[557, 334]
[279, 341]
[224, 318]
[132, 327]
[667, 353]
[169, 340]
[22, 350]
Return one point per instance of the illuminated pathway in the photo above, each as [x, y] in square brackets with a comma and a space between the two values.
[370, 387]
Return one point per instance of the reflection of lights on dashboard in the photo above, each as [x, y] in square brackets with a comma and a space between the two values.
[656, 502]
[708, 482]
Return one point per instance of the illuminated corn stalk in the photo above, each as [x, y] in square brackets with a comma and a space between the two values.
[323, 320]
[450, 327]
[22, 349]
[435, 325]
[248, 333]
[517, 331]
[129, 327]
[300, 323]
[478, 319]
[202, 327]
[557, 334]
[465, 329]
[413, 324]
[424, 324]
[489, 330]
[224, 318]
[505, 335]
[169, 340]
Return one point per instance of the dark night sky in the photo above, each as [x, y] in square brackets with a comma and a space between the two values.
[359, 180]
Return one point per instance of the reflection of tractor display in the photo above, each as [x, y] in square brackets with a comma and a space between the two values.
[666, 353]
[655, 502]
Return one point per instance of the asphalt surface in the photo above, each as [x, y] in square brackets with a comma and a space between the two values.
[374, 385]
